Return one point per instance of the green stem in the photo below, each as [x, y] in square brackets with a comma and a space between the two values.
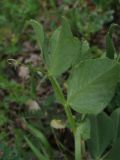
[57, 89]
[70, 117]
[78, 148]
[60, 96]
[76, 131]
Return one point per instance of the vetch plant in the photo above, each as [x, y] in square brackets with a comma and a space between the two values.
[90, 87]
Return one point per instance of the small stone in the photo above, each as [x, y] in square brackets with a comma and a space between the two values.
[23, 72]
[33, 106]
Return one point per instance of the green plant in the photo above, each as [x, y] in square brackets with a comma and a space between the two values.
[46, 152]
[7, 153]
[86, 22]
[90, 88]
[102, 3]
[12, 17]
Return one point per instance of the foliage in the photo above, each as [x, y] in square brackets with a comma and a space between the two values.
[87, 22]
[8, 153]
[46, 150]
[91, 86]
[84, 78]
[13, 15]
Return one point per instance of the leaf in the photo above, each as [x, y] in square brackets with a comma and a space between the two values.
[38, 134]
[39, 33]
[84, 48]
[84, 52]
[40, 37]
[64, 49]
[110, 48]
[84, 129]
[116, 121]
[91, 85]
[37, 153]
[115, 152]
[101, 134]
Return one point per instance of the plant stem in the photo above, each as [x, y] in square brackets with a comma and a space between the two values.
[60, 96]
[70, 117]
[57, 89]
[77, 137]
[76, 131]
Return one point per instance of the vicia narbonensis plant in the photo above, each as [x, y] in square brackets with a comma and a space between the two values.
[90, 87]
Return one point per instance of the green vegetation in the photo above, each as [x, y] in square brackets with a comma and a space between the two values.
[59, 97]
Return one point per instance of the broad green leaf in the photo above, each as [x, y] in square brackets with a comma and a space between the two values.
[110, 48]
[114, 154]
[101, 134]
[64, 49]
[116, 121]
[37, 153]
[91, 85]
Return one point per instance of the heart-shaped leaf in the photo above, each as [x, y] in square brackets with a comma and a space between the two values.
[91, 85]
